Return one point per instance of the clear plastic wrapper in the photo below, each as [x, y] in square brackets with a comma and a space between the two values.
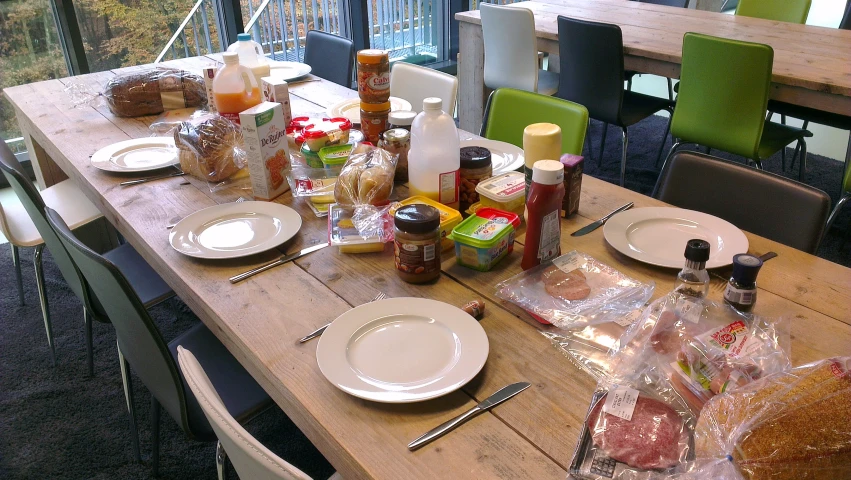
[575, 290]
[364, 185]
[210, 147]
[793, 425]
[146, 92]
[168, 121]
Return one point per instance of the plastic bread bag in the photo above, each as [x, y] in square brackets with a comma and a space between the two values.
[365, 184]
[165, 124]
[637, 427]
[574, 290]
[210, 147]
[786, 426]
[706, 348]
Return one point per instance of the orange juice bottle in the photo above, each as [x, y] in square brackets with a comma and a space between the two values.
[234, 88]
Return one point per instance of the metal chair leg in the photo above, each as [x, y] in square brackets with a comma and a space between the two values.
[623, 155]
[155, 437]
[665, 164]
[16, 260]
[221, 461]
[802, 167]
[664, 139]
[42, 297]
[602, 144]
[629, 84]
[87, 322]
[835, 211]
[670, 89]
[798, 146]
[131, 408]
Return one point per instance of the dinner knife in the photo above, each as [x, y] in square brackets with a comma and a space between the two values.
[594, 226]
[151, 179]
[284, 259]
[500, 396]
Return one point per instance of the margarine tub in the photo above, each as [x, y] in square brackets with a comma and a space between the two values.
[449, 217]
[483, 239]
[504, 192]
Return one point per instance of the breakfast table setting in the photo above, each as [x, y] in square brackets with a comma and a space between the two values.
[390, 379]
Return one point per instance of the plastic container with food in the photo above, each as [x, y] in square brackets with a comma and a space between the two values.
[342, 232]
[328, 131]
[449, 217]
[504, 192]
[335, 155]
[483, 239]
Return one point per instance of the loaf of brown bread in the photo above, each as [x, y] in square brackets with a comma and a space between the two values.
[788, 426]
[210, 148]
[154, 90]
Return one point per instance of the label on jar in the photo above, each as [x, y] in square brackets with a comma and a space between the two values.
[739, 295]
[448, 185]
[550, 237]
[417, 256]
[380, 81]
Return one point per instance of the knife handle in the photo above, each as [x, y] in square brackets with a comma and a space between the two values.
[444, 428]
[260, 269]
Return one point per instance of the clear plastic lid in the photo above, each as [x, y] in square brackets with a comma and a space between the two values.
[503, 188]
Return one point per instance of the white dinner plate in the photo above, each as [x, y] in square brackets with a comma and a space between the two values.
[402, 350]
[137, 155]
[234, 230]
[658, 236]
[505, 157]
[288, 70]
[351, 108]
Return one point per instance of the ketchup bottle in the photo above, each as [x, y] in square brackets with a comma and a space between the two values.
[543, 226]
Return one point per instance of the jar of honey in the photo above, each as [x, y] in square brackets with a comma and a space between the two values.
[373, 120]
[373, 76]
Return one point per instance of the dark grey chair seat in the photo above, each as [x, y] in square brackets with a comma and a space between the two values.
[762, 203]
[330, 57]
[242, 396]
[150, 287]
[637, 106]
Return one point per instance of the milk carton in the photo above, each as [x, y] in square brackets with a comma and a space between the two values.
[264, 129]
[276, 90]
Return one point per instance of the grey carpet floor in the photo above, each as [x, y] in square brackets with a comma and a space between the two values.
[57, 423]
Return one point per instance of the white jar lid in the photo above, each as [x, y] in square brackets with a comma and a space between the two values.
[503, 188]
[548, 172]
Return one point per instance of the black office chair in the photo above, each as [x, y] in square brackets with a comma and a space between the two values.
[330, 57]
[145, 282]
[141, 346]
[669, 3]
[762, 203]
[592, 74]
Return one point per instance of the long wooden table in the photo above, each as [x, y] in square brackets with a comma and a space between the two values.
[531, 436]
[812, 65]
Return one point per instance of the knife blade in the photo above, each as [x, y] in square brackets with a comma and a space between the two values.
[284, 259]
[500, 396]
[594, 226]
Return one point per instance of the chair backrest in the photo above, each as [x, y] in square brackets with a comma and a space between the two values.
[138, 337]
[845, 23]
[249, 457]
[762, 203]
[723, 93]
[509, 111]
[415, 83]
[330, 56]
[34, 205]
[670, 3]
[591, 61]
[511, 48]
[792, 11]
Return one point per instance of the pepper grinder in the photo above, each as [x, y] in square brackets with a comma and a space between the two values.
[693, 279]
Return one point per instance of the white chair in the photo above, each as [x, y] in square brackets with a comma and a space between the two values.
[511, 51]
[250, 458]
[415, 83]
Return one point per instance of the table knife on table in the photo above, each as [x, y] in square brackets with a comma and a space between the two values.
[599, 223]
[500, 396]
[284, 259]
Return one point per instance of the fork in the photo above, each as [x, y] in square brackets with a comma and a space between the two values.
[238, 200]
[320, 330]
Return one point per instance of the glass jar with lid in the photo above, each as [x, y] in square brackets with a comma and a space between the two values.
[401, 119]
[373, 76]
[417, 243]
[397, 141]
[475, 167]
[373, 120]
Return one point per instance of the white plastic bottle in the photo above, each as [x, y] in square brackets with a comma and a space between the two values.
[251, 56]
[434, 159]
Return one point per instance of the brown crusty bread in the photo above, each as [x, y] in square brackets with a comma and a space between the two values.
[143, 93]
[788, 426]
[209, 148]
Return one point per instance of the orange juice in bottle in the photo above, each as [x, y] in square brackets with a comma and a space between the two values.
[234, 88]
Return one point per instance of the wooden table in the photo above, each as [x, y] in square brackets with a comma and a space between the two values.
[812, 65]
[532, 436]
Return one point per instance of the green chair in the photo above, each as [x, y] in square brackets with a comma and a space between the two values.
[509, 111]
[792, 11]
[724, 87]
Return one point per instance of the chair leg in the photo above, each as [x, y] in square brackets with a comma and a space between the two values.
[664, 139]
[87, 322]
[835, 211]
[602, 144]
[155, 437]
[670, 89]
[131, 408]
[221, 461]
[623, 155]
[629, 84]
[798, 146]
[664, 164]
[802, 167]
[42, 297]
[16, 260]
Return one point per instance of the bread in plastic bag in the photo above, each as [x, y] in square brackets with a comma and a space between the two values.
[574, 290]
[211, 148]
[366, 178]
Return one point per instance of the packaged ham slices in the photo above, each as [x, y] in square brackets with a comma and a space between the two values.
[574, 290]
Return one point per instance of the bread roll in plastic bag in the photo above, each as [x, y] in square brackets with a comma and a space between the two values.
[210, 147]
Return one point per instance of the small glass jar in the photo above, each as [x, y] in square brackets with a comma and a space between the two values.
[373, 120]
[693, 279]
[417, 243]
[397, 141]
[401, 119]
[741, 288]
[475, 167]
[373, 76]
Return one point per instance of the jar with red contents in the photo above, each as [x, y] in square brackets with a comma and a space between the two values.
[373, 120]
